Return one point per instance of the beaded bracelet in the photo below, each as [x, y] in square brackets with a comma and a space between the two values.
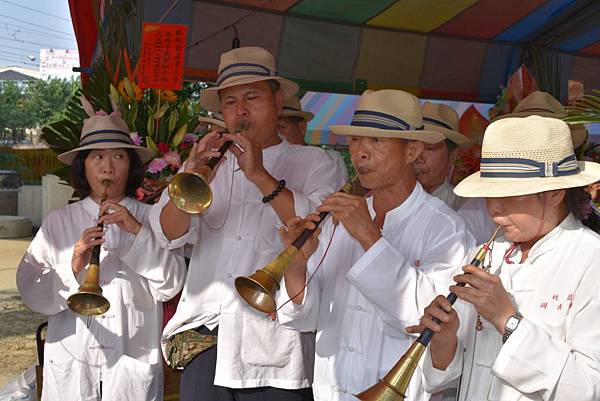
[276, 191]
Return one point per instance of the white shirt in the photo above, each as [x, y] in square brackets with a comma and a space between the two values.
[361, 302]
[121, 348]
[445, 192]
[477, 219]
[236, 236]
[554, 354]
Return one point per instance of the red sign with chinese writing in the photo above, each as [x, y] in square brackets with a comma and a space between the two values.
[162, 56]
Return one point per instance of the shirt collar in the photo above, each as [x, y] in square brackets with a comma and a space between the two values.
[402, 211]
[273, 152]
[93, 208]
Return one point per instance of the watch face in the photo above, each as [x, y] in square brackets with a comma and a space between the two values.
[512, 323]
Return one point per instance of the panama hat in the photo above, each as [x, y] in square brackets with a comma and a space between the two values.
[522, 156]
[293, 108]
[215, 118]
[444, 119]
[388, 113]
[544, 104]
[241, 66]
[104, 131]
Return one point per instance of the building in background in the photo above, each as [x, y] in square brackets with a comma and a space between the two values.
[58, 63]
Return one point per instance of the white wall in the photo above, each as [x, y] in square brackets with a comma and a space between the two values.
[36, 201]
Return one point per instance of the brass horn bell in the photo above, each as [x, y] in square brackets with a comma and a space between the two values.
[88, 301]
[190, 192]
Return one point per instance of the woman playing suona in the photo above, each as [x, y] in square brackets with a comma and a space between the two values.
[526, 325]
[116, 355]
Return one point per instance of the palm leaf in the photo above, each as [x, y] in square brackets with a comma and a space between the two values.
[585, 110]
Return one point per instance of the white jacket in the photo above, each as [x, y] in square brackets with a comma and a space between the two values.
[121, 347]
[554, 354]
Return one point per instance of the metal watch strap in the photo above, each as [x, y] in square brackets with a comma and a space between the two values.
[507, 330]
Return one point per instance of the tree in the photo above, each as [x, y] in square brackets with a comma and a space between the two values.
[31, 104]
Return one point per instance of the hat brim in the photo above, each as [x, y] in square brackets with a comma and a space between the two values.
[531, 113]
[459, 139]
[212, 121]
[474, 186]
[579, 134]
[145, 154]
[426, 136]
[305, 115]
[209, 98]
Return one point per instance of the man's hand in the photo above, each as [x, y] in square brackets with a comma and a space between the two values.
[82, 252]
[203, 150]
[353, 213]
[249, 156]
[114, 213]
[487, 294]
[444, 342]
[295, 227]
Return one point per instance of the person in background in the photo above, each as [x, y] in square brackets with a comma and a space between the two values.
[116, 355]
[292, 127]
[435, 162]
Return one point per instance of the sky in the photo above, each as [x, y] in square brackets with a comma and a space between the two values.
[26, 26]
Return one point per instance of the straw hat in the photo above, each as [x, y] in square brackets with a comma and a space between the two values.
[444, 119]
[522, 156]
[293, 108]
[215, 118]
[388, 113]
[104, 132]
[244, 65]
[544, 104]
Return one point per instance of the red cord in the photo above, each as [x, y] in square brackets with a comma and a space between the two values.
[273, 315]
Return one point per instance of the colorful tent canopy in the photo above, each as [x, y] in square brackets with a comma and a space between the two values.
[459, 49]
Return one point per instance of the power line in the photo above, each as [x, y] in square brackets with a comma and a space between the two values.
[14, 60]
[22, 28]
[32, 43]
[30, 23]
[34, 10]
[11, 53]
[31, 48]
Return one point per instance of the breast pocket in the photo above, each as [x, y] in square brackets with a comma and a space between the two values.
[264, 342]
[135, 380]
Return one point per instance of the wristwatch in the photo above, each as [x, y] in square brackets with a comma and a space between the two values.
[511, 325]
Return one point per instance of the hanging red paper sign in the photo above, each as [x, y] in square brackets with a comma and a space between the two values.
[162, 56]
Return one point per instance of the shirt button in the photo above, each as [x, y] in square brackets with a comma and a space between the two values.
[229, 275]
[238, 238]
[351, 348]
[358, 308]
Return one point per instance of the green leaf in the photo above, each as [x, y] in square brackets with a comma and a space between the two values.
[161, 111]
[150, 127]
[179, 136]
[151, 145]
[173, 117]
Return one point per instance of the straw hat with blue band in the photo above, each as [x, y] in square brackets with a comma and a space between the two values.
[241, 66]
[522, 156]
[213, 119]
[104, 132]
[543, 104]
[388, 113]
[444, 119]
[293, 108]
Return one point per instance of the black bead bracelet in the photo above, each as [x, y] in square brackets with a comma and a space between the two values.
[276, 191]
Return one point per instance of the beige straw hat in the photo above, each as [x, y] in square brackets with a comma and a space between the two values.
[522, 156]
[443, 118]
[104, 131]
[244, 65]
[293, 108]
[544, 104]
[215, 118]
[388, 113]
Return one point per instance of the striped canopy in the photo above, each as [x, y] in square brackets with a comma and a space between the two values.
[445, 49]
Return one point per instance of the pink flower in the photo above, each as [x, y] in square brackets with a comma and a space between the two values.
[183, 145]
[157, 165]
[163, 147]
[136, 138]
[190, 138]
[172, 158]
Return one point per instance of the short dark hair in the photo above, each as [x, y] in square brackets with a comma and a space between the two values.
[81, 185]
[274, 85]
[575, 198]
